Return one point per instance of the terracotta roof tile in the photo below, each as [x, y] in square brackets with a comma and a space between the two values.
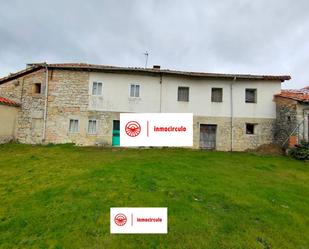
[5, 101]
[301, 95]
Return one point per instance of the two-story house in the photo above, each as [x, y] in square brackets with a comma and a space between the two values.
[81, 103]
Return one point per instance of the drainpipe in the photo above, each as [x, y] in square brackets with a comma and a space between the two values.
[45, 108]
[232, 113]
[161, 80]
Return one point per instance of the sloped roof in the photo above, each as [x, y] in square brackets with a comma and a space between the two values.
[138, 70]
[301, 95]
[5, 101]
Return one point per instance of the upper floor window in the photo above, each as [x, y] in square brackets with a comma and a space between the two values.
[73, 126]
[183, 93]
[251, 95]
[37, 88]
[92, 126]
[216, 94]
[97, 88]
[135, 90]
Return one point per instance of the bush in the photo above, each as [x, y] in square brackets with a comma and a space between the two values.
[300, 152]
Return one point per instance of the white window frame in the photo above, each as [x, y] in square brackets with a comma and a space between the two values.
[92, 88]
[139, 90]
[96, 126]
[183, 87]
[77, 125]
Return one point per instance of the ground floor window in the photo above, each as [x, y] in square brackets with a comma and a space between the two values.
[92, 126]
[250, 129]
[73, 127]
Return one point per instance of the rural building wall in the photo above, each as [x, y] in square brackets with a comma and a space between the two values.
[292, 119]
[8, 120]
[69, 97]
[30, 114]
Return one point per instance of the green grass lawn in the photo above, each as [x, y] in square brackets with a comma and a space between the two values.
[59, 197]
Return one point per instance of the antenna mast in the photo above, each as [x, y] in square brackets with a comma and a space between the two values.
[146, 55]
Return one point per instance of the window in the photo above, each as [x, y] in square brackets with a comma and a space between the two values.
[134, 90]
[73, 128]
[250, 95]
[37, 88]
[97, 88]
[183, 93]
[216, 94]
[92, 126]
[250, 129]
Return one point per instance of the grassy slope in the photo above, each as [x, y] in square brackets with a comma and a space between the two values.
[59, 197]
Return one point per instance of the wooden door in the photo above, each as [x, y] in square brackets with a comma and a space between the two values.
[208, 136]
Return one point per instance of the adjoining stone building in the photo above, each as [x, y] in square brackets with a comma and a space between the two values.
[81, 103]
[292, 107]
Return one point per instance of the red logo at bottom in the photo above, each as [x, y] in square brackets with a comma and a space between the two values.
[120, 219]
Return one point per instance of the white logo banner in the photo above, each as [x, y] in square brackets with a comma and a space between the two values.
[138, 220]
[156, 129]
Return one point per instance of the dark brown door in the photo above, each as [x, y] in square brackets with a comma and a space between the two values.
[208, 136]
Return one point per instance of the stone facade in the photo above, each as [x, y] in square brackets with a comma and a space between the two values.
[292, 120]
[286, 119]
[68, 98]
[241, 140]
[30, 115]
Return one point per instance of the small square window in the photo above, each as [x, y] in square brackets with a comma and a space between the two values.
[97, 88]
[92, 126]
[134, 91]
[183, 94]
[37, 88]
[250, 129]
[216, 94]
[73, 127]
[251, 96]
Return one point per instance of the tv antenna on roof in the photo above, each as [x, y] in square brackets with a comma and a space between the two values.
[146, 55]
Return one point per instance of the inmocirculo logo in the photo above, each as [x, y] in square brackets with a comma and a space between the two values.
[133, 128]
[156, 129]
[120, 219]
[138, 220]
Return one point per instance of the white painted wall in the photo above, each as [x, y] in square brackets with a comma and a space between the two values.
[116, 95]
[116, 92]
[200, 97]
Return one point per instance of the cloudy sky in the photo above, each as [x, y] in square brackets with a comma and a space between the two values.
[227, 36]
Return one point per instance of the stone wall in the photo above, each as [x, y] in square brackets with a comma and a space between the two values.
[241, 140]
[286, 119]
[30, 115]
[69, 99]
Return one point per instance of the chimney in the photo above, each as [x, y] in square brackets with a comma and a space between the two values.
[156, 67]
